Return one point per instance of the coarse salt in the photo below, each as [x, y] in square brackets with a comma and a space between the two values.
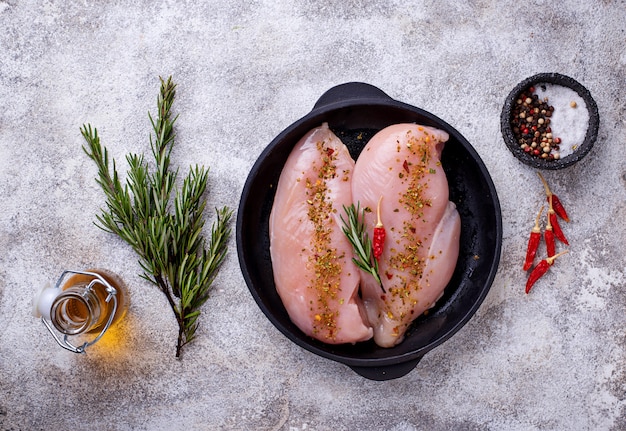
[570, 118]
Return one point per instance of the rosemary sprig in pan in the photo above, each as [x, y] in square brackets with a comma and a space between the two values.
[168, 240]
[354, 229]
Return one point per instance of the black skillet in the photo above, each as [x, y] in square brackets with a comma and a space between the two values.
[355, 111]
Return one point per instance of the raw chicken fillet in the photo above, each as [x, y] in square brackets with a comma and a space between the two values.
[402, 164]
[311, 257]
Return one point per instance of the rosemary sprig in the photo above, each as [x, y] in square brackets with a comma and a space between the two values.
[354, 229]
[168, 240]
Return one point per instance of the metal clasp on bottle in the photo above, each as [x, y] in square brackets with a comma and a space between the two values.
[47, 296]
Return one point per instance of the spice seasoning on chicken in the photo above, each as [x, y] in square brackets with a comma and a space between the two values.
[413, 201]
[314, 275]
[323, 258]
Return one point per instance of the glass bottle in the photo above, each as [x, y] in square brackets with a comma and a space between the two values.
[82, 302]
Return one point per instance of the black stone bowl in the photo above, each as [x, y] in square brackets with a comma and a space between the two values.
[355, 112]
[537, 162]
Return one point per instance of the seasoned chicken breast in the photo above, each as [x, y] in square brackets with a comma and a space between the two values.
[311, 257]
[401, 164]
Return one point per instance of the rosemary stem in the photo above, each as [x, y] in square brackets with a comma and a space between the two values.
[168, 241]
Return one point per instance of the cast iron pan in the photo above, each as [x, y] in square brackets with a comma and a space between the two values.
[355, 111]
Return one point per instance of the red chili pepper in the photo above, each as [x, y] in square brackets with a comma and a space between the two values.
[558, 208]
[548, 235]
[558, 233]
[541, 268]
[379, 234]
[556, 202]
[557, 229]
[533, 243]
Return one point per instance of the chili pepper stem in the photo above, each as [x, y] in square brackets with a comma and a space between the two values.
[378, 222]
[551, 260]
[537, 228]
[545, 185]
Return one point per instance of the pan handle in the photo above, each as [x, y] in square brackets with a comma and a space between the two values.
[350, 91]
[389, 372]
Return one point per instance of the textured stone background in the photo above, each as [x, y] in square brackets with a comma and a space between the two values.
[553, 360]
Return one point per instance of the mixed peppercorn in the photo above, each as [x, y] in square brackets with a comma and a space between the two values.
[551, 233]
[530, 122]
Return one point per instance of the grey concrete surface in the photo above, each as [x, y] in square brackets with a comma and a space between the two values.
[552, 360]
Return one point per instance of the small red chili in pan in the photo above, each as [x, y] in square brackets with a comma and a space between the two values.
[378, 241]
[533, 242]
[548, 235]
[556, 202]
[541, 268]
[558, 233]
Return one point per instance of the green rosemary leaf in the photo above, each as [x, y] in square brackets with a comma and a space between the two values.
[168, 241]
[354, 229]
